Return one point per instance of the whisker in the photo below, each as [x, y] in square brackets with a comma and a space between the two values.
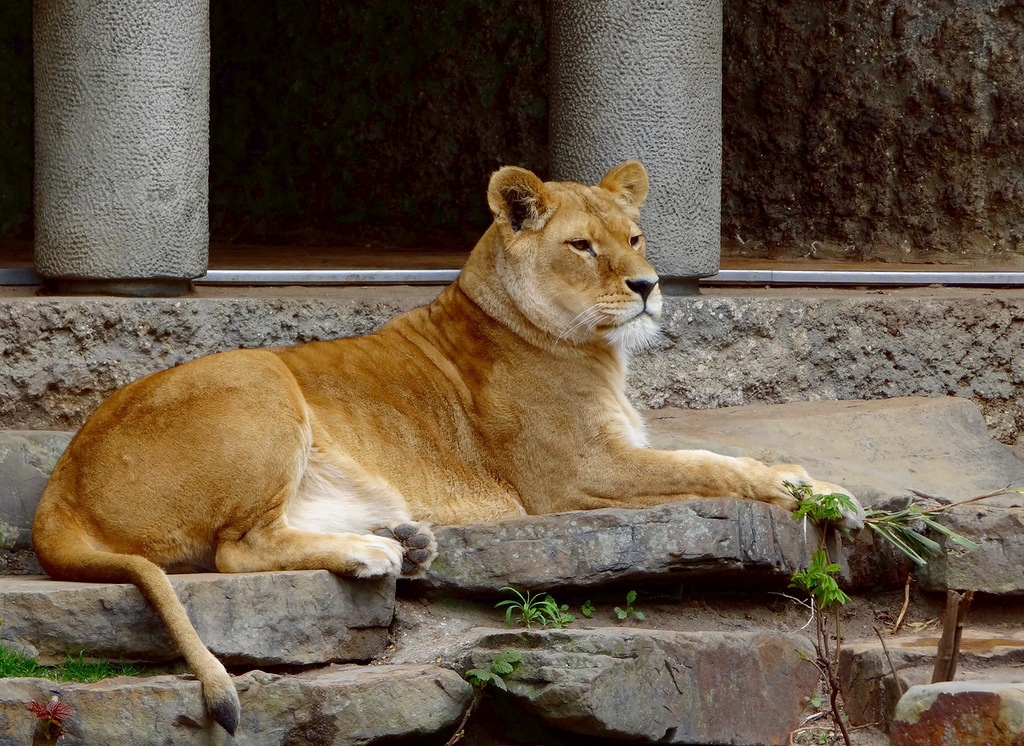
[586, 316]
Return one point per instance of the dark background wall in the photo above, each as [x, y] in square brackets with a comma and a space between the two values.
[886, 130]
[882, 129]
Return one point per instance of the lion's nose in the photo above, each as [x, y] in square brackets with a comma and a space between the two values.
[641, 287]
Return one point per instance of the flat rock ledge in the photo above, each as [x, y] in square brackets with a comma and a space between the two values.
[335, 706]
[264, 619]
[961, 713]
[750, 544]
[870, 692]
[741, 688]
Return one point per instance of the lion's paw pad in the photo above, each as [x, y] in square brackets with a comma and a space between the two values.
[418, 544]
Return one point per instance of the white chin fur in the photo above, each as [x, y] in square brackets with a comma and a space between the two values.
[634, 336]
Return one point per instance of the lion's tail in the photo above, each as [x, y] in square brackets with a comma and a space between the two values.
[66, 553]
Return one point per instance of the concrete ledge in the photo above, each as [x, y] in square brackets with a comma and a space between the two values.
[725, 348]
[339, 705]
[282, 618]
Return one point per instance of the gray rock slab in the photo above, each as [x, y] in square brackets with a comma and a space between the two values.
[660, 686]
[961, 713]
[281, 618]
[870, 692]
[997, 565]
[336, 706]
[877, 449]
[748, 543]
[26, 460]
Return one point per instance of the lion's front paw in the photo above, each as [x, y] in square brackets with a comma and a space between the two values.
[418, 544]
[377, 555]
[853, 518]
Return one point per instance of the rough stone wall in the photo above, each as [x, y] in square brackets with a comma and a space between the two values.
[63, 356]
[889, 130]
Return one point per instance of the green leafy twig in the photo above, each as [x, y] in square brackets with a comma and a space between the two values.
[817, 581]
[898, 527]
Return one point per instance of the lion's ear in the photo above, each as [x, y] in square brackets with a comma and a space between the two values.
[518, 197]
[628, 184]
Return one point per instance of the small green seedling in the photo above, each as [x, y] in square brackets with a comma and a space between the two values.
[588, 609]
[528, 606]
[625, 613]
[555, 615]
[504, 664]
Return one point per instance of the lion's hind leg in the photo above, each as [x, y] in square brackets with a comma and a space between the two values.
[336, 494]
[281, 547]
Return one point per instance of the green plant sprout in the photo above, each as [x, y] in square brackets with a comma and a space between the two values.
[555, 615]
[819, 508]
[534, 609]
[588, 608]
[528, 607]
[504, 664]
[625, 613]
[898, 527]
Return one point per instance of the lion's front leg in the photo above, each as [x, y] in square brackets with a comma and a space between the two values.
[638, 478]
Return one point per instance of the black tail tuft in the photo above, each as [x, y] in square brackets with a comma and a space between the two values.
[226, 712]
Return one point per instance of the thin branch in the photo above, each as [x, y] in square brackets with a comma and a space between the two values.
[895, 676]
[947, 505]
[906, 605]
[460, 729]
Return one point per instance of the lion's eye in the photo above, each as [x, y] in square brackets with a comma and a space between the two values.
[583, 245]
[634, 241]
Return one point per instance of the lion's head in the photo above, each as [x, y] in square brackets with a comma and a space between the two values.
[572, 257]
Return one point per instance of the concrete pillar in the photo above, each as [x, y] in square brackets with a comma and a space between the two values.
[122, 108]
[643, 79]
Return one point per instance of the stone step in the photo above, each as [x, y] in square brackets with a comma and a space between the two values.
[742, 543]
[264, 619]
[334, 706]
[658, 686]
[871, 693]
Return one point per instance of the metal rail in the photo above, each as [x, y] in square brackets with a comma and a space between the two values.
[774, 277]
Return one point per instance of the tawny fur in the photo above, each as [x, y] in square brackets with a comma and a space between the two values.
[503, 397]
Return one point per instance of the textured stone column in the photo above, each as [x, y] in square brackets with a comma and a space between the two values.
[122, 102]
[643, 79]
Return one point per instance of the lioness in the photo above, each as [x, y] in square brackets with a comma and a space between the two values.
[502, 397]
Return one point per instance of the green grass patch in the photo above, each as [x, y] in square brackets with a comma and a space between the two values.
[16, 665]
